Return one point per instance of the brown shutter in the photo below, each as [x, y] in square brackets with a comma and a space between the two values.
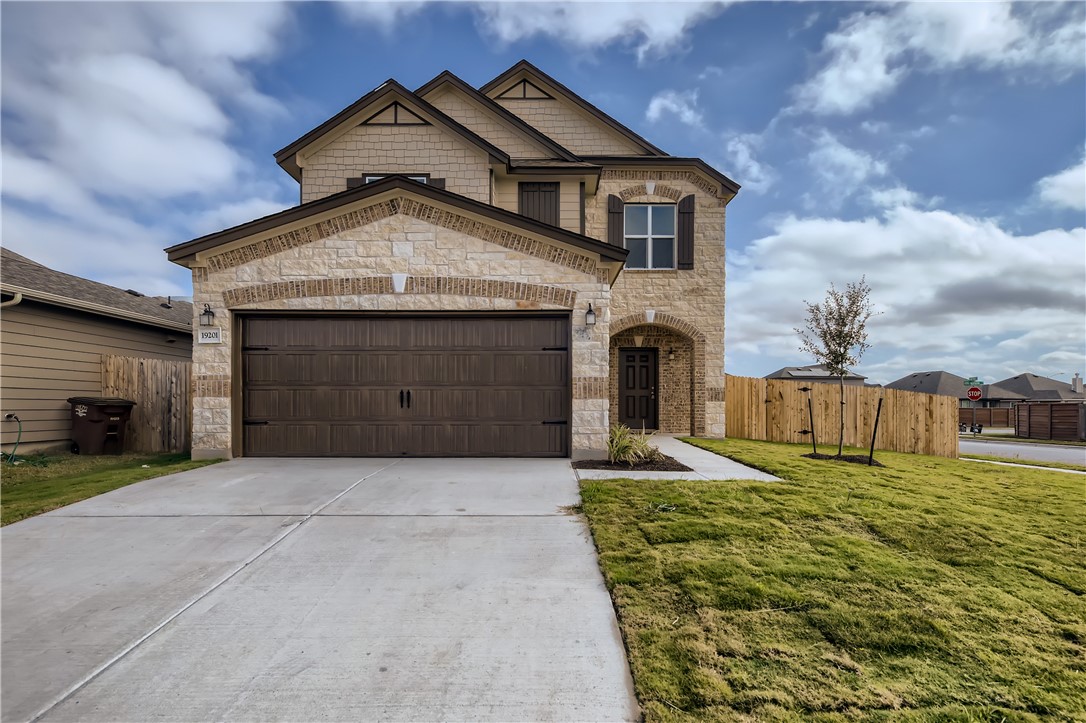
[686, 233]
[437, 182]
[539, 201]
[615, 229]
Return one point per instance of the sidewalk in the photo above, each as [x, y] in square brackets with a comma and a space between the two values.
[705, 465]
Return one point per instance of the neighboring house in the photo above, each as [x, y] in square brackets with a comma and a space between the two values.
[952, 385]
[816, 373]
[496, 271]
[1044, 389]
[54, 329]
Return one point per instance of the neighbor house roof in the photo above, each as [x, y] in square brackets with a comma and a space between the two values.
[183, 252]
[286, 156]
[20, 275]
[577, 100]
[813, 371]
[948, 385]
[1032, 386]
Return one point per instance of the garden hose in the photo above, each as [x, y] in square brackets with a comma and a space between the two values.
[19, 438]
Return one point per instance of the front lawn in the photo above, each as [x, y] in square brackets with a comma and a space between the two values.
[39, 483]
[927, 590]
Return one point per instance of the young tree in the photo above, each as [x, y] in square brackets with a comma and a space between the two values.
[836, 334]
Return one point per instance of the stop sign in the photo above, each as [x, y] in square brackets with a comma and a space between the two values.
[973, 393]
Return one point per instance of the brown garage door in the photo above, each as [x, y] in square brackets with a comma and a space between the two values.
[406, 386]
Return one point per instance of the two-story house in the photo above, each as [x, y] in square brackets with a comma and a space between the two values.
[498, 271]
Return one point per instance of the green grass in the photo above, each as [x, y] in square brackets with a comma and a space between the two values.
[928, 590]
[1035, 463]
[41, 483]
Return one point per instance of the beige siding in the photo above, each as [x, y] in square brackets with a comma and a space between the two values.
[571, 128]
[370, 149]
[453, 104]
[48, 354]
[507, 196]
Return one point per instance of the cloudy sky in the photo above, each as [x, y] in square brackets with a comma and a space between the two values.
[936, 148]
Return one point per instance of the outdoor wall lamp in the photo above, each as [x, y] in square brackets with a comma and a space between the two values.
[590, 316]
[671, 354]
[207, 317]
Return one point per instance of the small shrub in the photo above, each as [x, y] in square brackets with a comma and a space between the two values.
[624, 446]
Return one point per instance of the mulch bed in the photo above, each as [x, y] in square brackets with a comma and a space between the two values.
[667, 464]
[854, 458]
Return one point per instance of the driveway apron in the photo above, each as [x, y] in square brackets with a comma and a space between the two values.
[315, 589]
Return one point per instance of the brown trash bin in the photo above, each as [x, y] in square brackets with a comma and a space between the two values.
[98, 424]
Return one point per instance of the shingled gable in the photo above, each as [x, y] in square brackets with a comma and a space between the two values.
[184, 254]
[539, 78]
[511, 120]
[362, 109]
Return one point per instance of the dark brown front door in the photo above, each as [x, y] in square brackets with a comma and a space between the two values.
[406, 385]
[637, 388]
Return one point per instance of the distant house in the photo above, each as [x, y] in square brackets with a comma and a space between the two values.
[952, 385]
[1044, 389]
[54, 329]
[816, 373]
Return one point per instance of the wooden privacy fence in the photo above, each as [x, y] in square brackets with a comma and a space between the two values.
[1051, 420]
[162, 390]
[988, 416]
[775, 410]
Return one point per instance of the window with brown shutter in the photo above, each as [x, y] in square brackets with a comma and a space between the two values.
[686, 233]
[539, 201]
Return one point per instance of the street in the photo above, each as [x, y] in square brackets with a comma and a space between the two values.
[1024, 451]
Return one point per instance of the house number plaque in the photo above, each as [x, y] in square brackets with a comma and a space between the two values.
[210, 335]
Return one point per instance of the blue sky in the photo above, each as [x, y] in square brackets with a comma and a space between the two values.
[936, 148]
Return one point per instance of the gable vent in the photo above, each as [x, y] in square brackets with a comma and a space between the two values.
[525, 89]
[394, 114]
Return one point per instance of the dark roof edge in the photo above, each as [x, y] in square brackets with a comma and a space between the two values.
[449, 77]
[389, 183]
[727, 184]
[92, 307]
[283, 155]
[584, 104]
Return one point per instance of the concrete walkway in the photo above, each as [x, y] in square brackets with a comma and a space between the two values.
[705, 465]
[337, 590]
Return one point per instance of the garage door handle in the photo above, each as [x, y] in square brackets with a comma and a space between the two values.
[555, 421]
[408, 398]
[401, 399]
[250, 423]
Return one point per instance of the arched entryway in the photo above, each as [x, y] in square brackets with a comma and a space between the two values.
[657, 374]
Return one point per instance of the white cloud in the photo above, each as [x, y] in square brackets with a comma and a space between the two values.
[682, 104]
[1066, 189]
[385, 16]
[894, 196]
[841, 169]
[948, 284]
[871, 53]
[118, 117]
[748, 171]
[711, 71]
[654, 29]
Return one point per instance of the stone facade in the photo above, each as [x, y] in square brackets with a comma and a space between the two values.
[376, 149]
[449, 270]
[687, 302]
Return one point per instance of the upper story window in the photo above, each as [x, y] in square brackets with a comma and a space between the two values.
[650, 236]
[371, 177]
[420, 179]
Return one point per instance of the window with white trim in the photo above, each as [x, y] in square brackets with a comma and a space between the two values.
[420, 179]
[650, 236]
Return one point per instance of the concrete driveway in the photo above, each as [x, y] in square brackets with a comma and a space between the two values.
[315, 590]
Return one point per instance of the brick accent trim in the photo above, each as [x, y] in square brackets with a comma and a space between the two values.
[666, 191]
[644, 175]
[666, 320]
[408, 207]
[714, 394]
[365, 285]
[211, 385]
[590, 387]
[199, 274]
